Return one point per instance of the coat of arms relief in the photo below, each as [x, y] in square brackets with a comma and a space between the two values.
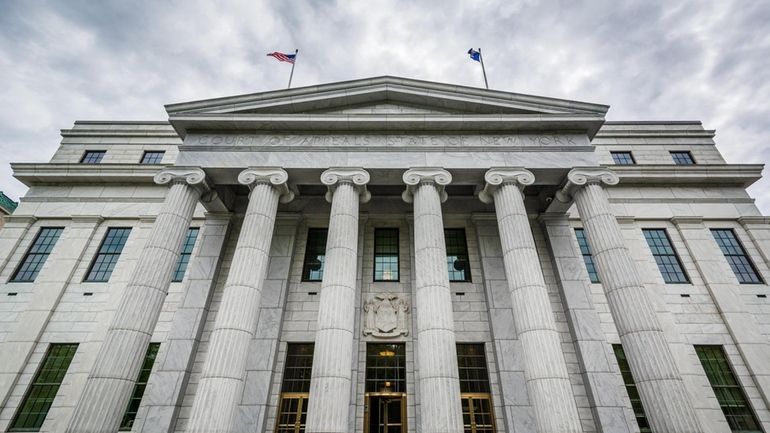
[385, 315]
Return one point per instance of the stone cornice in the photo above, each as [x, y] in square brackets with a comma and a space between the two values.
[275, 176]
[682, 220]
[434, 175]
[358, 177]
[56, 173]
[741, 175]
[495, 177]
[758, 219]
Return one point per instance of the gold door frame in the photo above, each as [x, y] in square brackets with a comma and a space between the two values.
[302, 397]
[479, 396]
[367, 405]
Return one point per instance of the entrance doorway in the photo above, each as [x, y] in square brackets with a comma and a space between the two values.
[385, 398]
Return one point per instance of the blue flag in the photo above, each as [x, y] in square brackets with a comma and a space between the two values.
[475, 55]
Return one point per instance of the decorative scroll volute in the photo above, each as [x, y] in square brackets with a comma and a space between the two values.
[358, 177]
[275, 176]
[193, 176]
[581, 176]
[416, 176]
[495, 177]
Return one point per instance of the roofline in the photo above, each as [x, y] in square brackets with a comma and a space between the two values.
[382, 80]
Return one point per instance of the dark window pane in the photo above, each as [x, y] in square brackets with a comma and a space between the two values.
[472, 365]
[736, 256]
[37, 254]
[665, 256]
[184, 257]
[299, 363]
[92, 156]
[385, 254]
[458, 265]
[588, 258]
[108, 254]
[623, 158]
[633, 394]
[152, 157]
[315, 255]
[385, 367]
[41, 393]
[735, 406]
[139, 387]
[682, 158]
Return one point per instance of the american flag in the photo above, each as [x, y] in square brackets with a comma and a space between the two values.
[281, 57]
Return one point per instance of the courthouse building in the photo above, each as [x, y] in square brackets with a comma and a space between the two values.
[385, 255]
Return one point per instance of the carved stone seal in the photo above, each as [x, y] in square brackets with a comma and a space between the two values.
[385, 315]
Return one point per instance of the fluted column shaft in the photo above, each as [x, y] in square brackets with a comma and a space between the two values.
[330, 383]
[439, 382]
[111, 380]
[665, 399]
[224, 370]
[545, 368]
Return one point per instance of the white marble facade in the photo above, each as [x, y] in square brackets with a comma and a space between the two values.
[254, 173]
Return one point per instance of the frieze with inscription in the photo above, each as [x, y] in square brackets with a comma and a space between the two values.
[389, 141]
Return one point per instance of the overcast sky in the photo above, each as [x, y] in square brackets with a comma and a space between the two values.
[122, 60]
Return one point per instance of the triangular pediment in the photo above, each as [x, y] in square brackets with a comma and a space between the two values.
[388, 96]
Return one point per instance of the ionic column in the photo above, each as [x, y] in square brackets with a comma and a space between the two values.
[111, 380]
[224, 371]
[329, 400]
[436, 347]
[545, 368]
[660, 385]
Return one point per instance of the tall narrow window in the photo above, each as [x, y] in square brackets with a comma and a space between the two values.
[385, 388]
[736, 256]
[633, 393]
[292, 408]
[475, 394]
[588, 258]
[457, 255]
[315, 255]
[682, 158]
[41, 393]
[184, 257]
[740, 417]
[109, 252]
[141, 384]
[623, 158]
[92, 157]
[152, 157]
[385, 254]
[37, 254]
[665, 256]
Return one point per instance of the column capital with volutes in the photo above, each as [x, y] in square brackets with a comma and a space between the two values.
[356, 176]
[274, 176]
[193, 176]
[498, 176]
[425, 175]
[579, 177]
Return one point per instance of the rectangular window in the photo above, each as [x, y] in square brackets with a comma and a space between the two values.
[585, 250]
[736, 256]
[458, 265]
[728, 391]
[37, 254]
[109, 252]
[92, 156]
[184, 257]
[665, 256]
[41, 393]
[385, 367]
[682, 158]
[292, 408]
[152, 157]
[475, 393]
[385, 254]
[633, 393]
[141, 384]
[315, 254]
[623, 158]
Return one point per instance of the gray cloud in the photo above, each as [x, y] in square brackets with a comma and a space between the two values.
[704, 60]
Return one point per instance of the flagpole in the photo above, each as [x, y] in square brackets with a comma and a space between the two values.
[291, 75]
[483, 70]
